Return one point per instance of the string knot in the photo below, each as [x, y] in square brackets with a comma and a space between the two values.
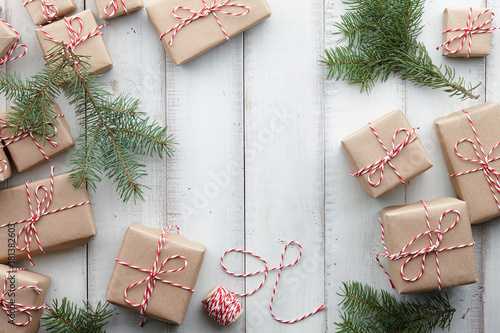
[49, 10]
[114, 5]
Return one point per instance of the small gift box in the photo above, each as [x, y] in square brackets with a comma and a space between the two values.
[429, 245]
[24, 296]
[27, 149]
[189, 28]
[458, 41]
[385, 154]
[44, 216]
[108, 9]
[5, 167]
[46, 11]
[163, 263]
[89, 41]
[8, 38]
[469, 141]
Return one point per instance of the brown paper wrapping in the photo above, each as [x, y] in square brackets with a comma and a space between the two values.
[456, 17]
[7, 173]
[58, 231]
[94, 47]
[403, 223]
[167, 303]
[202, 34]
[362, 149]
[27, 297]
[7, 38]
[64, 7]
[472, 188]
[25, 154]
[132, 6]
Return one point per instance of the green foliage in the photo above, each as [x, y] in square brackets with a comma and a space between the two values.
[381, 38]
[116, 135]
[66, 317]
[366, 310]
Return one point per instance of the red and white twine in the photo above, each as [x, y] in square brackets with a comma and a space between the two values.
[36, 212]
[49, 10]
[483, 159]
[390, 154]
[114, 5]
[221, 306]
[8, 56]
[468, 32]
[8, 306]
[432, 248]
[153, 276]
[5, 165]
[205, 11]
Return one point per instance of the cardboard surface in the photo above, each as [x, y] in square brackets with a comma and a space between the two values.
[64, 7]
[132, 6]
[7, 173]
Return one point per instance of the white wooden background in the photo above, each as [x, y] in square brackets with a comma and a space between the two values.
[259, 163]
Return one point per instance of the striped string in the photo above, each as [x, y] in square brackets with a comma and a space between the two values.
[36, 212]
[5, 165]
[8, 56]
[114, 5]
[468, 32]
[390, 154]
[49, 10]
[203, 12]
[223, 306]
[153, 276]
[483, 159]
[8, 306]
[265, 271]
[432, 248]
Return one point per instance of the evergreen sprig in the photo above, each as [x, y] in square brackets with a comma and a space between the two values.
[67, 317]
[116, 134]
[381, 38]
[366, 310]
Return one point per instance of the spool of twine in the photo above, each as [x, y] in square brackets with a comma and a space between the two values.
[222, 305]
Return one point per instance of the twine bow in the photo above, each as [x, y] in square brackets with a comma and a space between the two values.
[151, 279]
[390, 154]
[203, 12]
[483, 159]
[114, 4]
[432, 248]
[5, 165]
[8, 306]
[8, 56]
[49, 10]
[468, 31]
[38, 209]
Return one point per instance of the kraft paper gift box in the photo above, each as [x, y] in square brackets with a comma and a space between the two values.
[60, 230]
[60, 9]
[5, 166]
[27, 297]
[94, 47]
[456, 18]
[25, 154]
[362, 149]
[8, 38]
[473, 187]
[403, 223]
[167, 303]
[131, 6]
[204, 33]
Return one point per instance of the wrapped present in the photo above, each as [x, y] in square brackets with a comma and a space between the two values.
[385, 154]
[45, 215]
[469, 141]
[5, 166]
[108, 9]
[22, 299]
[155, 273]
[46, 11]
[81, 34]
[189, 28]
[9, 42]
[429, 245]
[467, 32]
[27, 149]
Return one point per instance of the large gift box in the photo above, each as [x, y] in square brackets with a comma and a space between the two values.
[139, 249]
[60, 219]
[46, 11]
[5, 166]
[412, 253]
[193, 33]
[92, 47]
[108, 9]
[385, 154]
[8, 37]
[469, 140]
[29, 150]
[456, 39]
[26, 290]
